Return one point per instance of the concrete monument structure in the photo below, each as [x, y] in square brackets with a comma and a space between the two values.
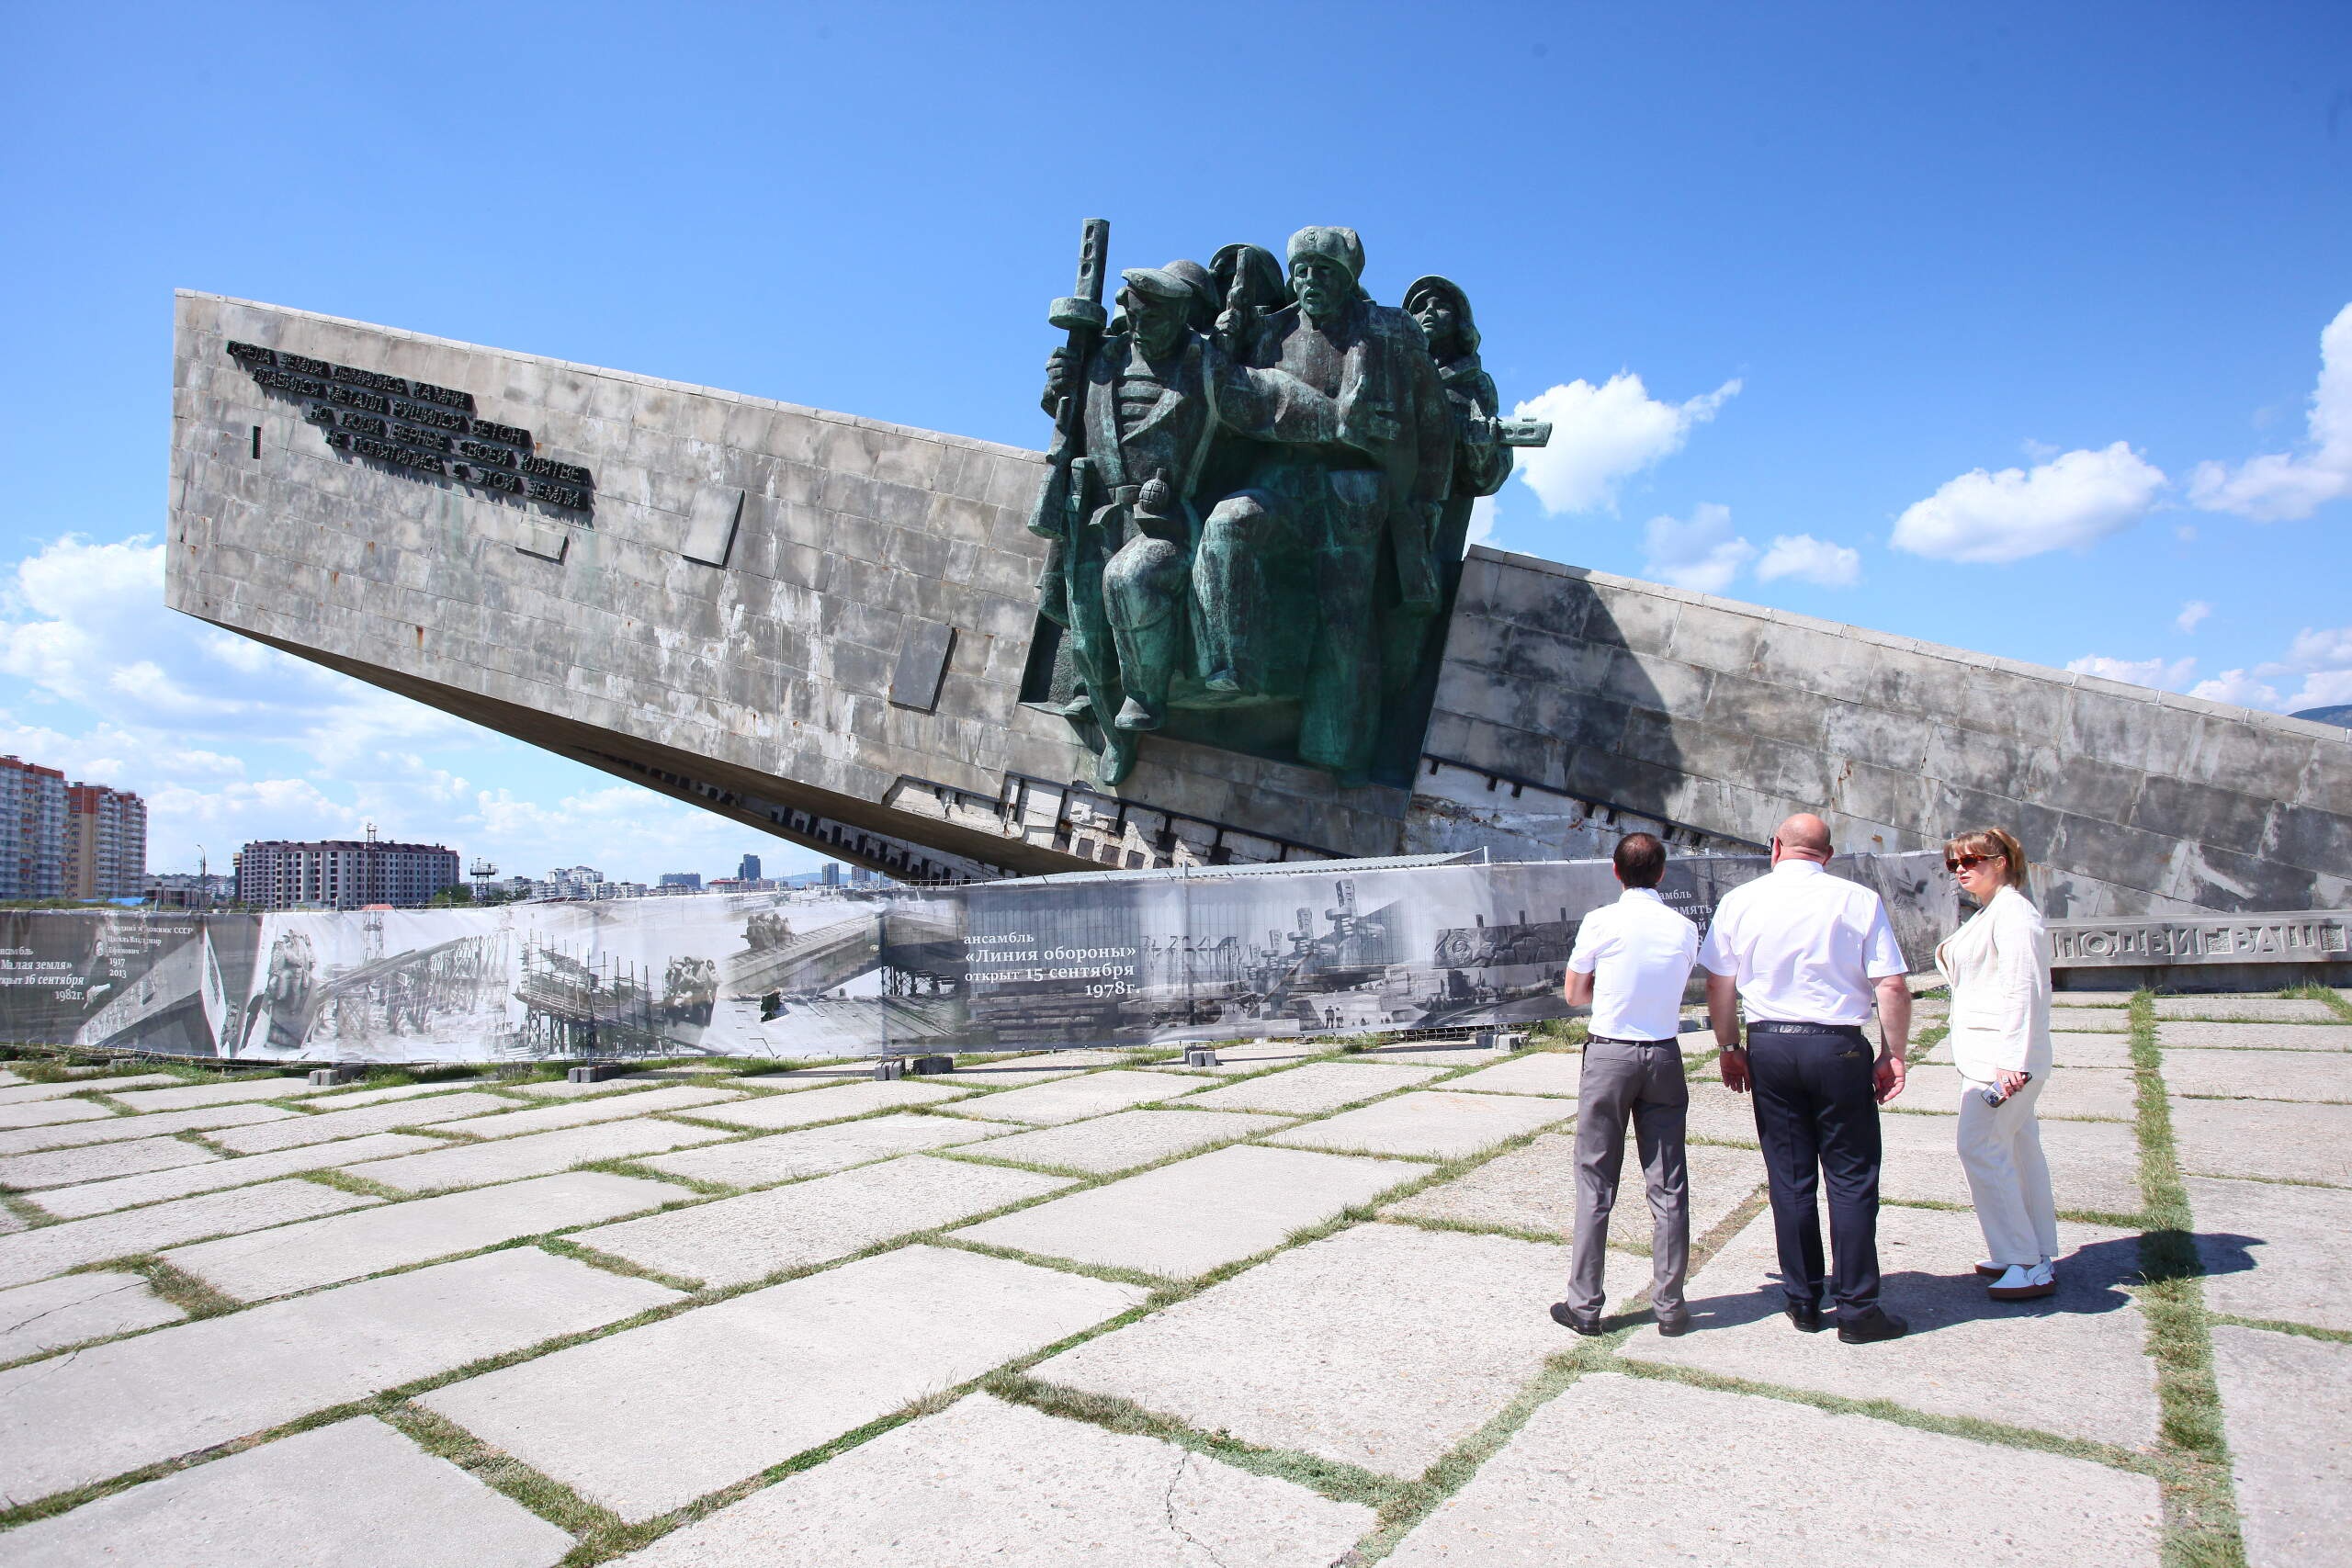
[828, 627]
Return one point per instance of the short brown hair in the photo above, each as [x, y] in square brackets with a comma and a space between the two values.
[1990, 841]
[1640, 860]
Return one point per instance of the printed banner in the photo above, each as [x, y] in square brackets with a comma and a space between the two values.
[1082, 959]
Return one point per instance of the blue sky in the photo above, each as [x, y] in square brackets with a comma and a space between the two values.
[1856, 256]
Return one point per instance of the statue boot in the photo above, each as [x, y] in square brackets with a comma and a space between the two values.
[1144, 593]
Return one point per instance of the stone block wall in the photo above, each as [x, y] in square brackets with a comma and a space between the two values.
[1726, 718]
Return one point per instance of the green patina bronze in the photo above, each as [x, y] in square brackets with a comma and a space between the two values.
[1257, 497]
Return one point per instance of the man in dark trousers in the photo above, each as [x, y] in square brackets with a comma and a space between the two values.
[1802, 952]
[1630, 963]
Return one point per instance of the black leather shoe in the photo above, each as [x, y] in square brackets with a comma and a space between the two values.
[1586, 1326]
[1805, 1315]
[1674, 1327]
[1872, 1326]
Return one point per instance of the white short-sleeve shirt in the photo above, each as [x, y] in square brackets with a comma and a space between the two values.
[1639, 954]
[1803, 946]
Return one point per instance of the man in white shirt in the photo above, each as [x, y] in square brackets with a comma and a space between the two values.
[1802, 952]
[1630, 963]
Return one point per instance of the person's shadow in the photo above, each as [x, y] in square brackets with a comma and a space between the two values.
[2091, 1279]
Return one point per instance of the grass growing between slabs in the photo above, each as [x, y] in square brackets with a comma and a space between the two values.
[2200, 1506]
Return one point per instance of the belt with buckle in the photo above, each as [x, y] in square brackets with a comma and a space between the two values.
[1615, 1040]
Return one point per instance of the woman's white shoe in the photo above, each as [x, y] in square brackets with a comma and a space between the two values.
[2019, 1283]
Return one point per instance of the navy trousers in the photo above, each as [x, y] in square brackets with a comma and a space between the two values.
[1816, 1115]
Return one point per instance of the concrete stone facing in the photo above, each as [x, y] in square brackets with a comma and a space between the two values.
[1637, 1472]
[118, 1406]
[2279, 1392]
[758, 686]
[645, 1420]
[1305, 1350]
[412, 1509]
[989, 1482]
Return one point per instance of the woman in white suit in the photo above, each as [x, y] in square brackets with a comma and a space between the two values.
[1998, 966]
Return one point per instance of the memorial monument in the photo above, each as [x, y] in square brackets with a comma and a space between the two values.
[1227, 617]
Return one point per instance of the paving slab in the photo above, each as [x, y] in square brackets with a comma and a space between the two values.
[564, 1089]
[643, 1421]
[1718, 1115]
[537, 1154]
[277, 1262]
[2286, 1406]
[1383, 1346]
[1558, 1073]
[226, 1091]
[2269, 1140]
[99, 1162]
[2251, 1010]
[1701, 1042]
[1084, 1056]
[805, 1108]
[282, 1503]
[1128, 1139]
[2258, 1036]
[736, 1240]
[549, 1118]
[156, 1186]
[1075, 1098]
[1312, 1089]
[2274, 1251]
[1534, 1188]
[2261, 1075]
[22, 1093]
[1185, 1219]
[2067, 1049]
[52, 1250]
[1238, 1056]
[2091, 1019]
[2066, 1095]
[984, 1481]
[332, 1125]
[2094, 1166]
[1429, 1124]
[66, 1311]
[975, 1079]
[787, 1157]
[2075, 1364]
[1447, 1058]
[118, 1128]
[49, 1112]
[1639, 1471]
[353, 1099]
[118, 1406]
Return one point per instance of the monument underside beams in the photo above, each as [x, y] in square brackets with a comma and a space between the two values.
[818, 626]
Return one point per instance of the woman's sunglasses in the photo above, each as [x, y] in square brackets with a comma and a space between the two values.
[1957, 863]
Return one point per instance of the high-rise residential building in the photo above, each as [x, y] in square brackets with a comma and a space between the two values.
[832, 873]
[32, 831]
[105, 842]
[691, 881]
[748, 870]
[342, 874]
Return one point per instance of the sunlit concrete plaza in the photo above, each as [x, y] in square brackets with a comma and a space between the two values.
[1102, 1308]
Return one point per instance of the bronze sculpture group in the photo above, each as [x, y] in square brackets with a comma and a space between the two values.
[1256, 495]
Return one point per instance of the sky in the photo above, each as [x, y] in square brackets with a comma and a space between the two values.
[2025, 329]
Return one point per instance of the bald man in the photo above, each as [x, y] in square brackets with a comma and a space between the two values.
[1804, 953]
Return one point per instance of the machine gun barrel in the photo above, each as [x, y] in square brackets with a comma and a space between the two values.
[1524, 431]
[1080, 314]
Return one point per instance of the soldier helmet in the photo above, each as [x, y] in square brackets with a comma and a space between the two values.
[1340, 246]
[1264, 284]
[1465, 331]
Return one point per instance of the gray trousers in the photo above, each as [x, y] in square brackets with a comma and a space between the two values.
[1642, 1084]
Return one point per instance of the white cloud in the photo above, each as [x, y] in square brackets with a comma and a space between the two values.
[1604, 436]
[1700, 554]
[2168, 674]
[2323, 661]
[1482, 522]
[2281, 486]
[2236, 686]
[2191, 613]
[1809, 560]
[2073, 501]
